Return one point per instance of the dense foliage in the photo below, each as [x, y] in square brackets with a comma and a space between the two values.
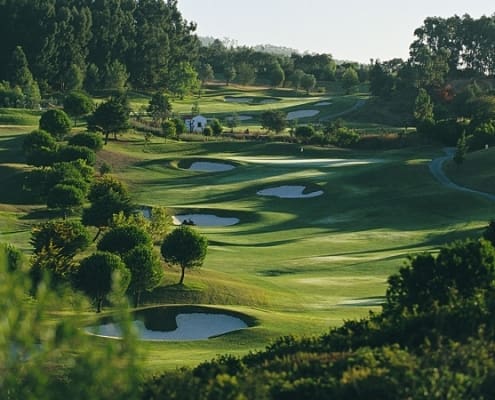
[71, 43]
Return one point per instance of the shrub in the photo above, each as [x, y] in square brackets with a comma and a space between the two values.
[91, 140]
[56, 122]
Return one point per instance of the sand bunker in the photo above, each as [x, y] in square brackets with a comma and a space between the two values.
[289, 192]
[206, 166]
[204, 220]
[268, 101]
[323, 103]
[191, 326]
[240, 118]
[302, 114]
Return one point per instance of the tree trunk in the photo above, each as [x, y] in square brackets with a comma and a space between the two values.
[182, 272]
[137, 298]
[98, 305]
[97, 234]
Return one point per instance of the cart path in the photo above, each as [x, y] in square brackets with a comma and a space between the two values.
[436, 169]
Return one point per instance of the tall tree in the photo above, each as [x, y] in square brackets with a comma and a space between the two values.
[184, 247]
[99, 274]
[109, 117]
[159, 107]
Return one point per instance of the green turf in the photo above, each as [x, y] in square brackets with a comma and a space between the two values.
[296, 265]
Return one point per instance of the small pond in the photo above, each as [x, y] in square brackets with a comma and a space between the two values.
[177, 323]
[204, 220]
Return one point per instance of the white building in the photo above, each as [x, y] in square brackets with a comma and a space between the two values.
[196, 124]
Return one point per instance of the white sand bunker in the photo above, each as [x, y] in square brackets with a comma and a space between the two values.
[363, 302]
[268, 101]
[302, 114]
[240, 118]
[323, 103]
[230, 99]
[289, 192]
[206, 166]
[204, 220]
[191, 326]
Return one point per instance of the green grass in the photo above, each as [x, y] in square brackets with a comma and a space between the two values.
[290, 263]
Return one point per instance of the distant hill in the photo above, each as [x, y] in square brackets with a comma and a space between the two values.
[265, 48]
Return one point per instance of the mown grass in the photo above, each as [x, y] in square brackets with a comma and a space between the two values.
[293, 264]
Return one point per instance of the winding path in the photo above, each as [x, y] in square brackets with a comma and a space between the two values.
[436, 169]
[356, 106]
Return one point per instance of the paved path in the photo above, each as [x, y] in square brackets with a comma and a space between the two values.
[436, 169]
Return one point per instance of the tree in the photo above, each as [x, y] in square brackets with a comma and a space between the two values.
[122, 239]
[216, 126]
[277, 75]
[246, 73]
[457, 273]
[489, 232]
[19, 72]
[461, 150]
[146, 271]
[43, 352]
[232, 121]
[56, 122]
[296, 78]
[184, 247]
[273, 121]
[71, 152]
[169, 129]
[423, 107]
[108, 196]
[205, 73]
[65, 197]
[39, 148]
[304, 132]
[109, 117]
[116, 76]
[90, 140]
[350, 79]
[180, 126]
[229, 73]
[77, 104]
[68, 236]
[308, 82]
[183, 79]
[159, 107]
[99, 274]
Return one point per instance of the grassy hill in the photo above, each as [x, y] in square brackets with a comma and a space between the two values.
[298, 266]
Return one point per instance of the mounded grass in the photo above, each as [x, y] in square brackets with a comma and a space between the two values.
[293, 264]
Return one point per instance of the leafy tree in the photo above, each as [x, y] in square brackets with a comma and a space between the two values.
[207, 131]
[56, 122]
[169, 129]
[183, 79]
[304, 132]
[108, 196]
[73, 153]
[159, 107]
[277, 75]
[350, 79]
[229, 73]
[68, 236]
[74, 79]
[180, 126]
[461, 150]
[423, 107]
[99, 274]
[90, 140]
[19, 72]
[184, 247]
[39, 148]
[459, 271]
[77, 104]
[216, 126]
[122, 239]
[296, 78]
[273, 120]
[246, 73]
[116, 76]
[206, 73]
[146, 270]
[65, 197]
[308, 82]
[109, 117]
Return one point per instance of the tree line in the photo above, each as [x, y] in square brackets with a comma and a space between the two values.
[96, 44]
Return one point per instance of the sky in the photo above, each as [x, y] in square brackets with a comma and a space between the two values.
[354, 30]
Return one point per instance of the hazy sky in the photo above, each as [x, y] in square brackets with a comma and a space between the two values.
[349, 30]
